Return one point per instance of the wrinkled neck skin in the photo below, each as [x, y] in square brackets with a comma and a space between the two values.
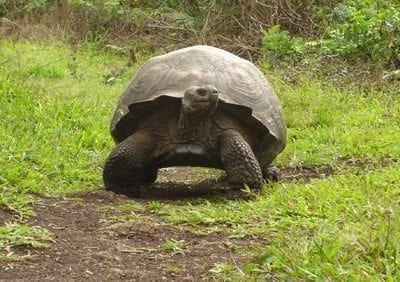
[198, 104]
[192, 122]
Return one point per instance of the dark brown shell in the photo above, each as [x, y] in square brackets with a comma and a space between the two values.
[238, 81]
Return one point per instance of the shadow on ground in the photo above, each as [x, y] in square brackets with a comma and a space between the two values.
[180, 182]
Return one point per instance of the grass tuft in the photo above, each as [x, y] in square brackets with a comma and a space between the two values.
[19, 235]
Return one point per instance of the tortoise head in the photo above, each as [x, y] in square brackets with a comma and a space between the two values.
[200, 99]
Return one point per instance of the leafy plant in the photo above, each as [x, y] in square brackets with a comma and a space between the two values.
[278, 45]
[16, 234]
[17, 201]
[154, 206]
[99, 15]
[223, 270]
[175, 246]
[36, 5]
[368, 29]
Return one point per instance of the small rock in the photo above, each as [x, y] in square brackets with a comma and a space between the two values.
[117, 271]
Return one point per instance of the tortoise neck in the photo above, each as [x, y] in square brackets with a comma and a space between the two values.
[193, 121]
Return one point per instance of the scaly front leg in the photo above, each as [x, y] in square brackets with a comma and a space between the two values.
[124, 169]
[239, 161]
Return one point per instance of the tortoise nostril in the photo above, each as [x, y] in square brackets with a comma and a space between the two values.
[202, 92]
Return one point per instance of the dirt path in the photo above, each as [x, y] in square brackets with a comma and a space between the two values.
[89, 246]
[86, 248]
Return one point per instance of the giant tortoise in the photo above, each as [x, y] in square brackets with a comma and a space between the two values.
[197, 106]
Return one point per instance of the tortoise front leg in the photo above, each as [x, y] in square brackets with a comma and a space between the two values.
[271, 173]
[124, 170]
[239, 161]
[149, 175]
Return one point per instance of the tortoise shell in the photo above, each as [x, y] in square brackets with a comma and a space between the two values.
[243, 92]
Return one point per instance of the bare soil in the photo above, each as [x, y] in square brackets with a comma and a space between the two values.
[88, 246]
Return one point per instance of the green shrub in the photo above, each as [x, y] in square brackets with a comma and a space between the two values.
[277, 45]
[367, 29]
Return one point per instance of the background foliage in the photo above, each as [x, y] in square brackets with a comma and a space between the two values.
[284, 31]
[366, 29]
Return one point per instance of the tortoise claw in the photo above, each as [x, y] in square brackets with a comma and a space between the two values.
[272, 173]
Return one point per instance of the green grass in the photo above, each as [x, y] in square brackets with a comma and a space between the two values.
[55, 108]
[54, 117]
[343, 227]
[326, 124]
[21, 235]
[174, 246]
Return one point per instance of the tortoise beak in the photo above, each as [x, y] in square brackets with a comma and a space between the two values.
[203, 98]
[212, 92]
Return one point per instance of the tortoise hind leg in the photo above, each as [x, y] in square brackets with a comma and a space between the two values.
[124, 169]
[239, 161]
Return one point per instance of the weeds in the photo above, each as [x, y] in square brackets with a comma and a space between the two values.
[174, 246]
[154, 206]
[15, 234]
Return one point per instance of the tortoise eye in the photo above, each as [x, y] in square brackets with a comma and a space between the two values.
[202, 92]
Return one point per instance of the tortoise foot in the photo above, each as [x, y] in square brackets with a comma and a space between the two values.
[124, 171]
[148, 176]
[272, 173]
